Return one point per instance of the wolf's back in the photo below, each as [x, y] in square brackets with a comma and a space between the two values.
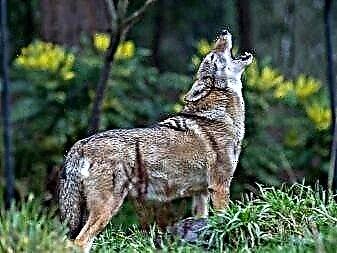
[70, 194]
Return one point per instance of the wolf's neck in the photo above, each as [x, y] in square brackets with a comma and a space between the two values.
[229, 106]
[236, 86]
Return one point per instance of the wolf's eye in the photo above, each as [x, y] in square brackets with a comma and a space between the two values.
[210, 189]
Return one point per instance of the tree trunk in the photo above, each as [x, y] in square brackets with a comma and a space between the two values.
[102, 82]
[244, 24]
[120, 25]
[64, 21]
[6, 112]
[332, 90]
[288, 45]
[158, 26]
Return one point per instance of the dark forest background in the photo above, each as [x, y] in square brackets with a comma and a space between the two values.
[57, 52]
[74, 69]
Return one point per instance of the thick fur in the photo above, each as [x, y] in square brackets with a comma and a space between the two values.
[191, 154]
[70, 190]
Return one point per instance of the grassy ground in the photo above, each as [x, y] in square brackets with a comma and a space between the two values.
[286, 219]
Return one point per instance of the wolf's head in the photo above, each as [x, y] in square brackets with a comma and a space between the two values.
[219, 69]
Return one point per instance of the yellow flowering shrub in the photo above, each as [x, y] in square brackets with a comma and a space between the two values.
[282, 90]
[320, 115]
[305, 87]
[125, 50]
[196, 61]
[292, 138]
[265, 79]
[204, 47]
[268, 79]
[252, 73]
[49, 57]
[101, 41]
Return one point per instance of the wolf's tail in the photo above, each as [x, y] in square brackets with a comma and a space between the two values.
[70, 194]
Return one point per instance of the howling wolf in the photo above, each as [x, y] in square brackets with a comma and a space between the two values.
[194, 153]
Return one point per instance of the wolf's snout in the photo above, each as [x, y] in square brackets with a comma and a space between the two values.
[224, 32]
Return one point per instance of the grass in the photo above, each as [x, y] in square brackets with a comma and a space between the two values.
[287, 219]
[26, 228]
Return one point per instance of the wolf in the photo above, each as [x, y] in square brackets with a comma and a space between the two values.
[192, 154]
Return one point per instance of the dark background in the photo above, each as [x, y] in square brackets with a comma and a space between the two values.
[284, 141]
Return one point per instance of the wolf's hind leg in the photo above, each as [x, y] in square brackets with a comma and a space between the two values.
[200, 205]
[100, 214]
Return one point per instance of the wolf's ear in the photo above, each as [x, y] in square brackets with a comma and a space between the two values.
[198, 91]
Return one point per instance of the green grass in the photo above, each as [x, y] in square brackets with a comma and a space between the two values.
[286, 219]
[28, 228]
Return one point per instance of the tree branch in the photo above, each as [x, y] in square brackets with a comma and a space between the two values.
[113, 14]
[332, 178]
[112, 10]
[102, 83]
[122, 26]
[133, 18]
[122, 8]
[6, 108]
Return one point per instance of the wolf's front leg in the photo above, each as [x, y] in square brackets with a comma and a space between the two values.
[220, 193]
[220, 176]
[200, 205]
[145, 213]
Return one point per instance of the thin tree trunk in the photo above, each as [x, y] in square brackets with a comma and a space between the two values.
[244, 23]
[293, 68]
[102, 82]
[288, 37]
[6, 112]
[157, 33]
[29, 25]
[332, 90]
[120, 25]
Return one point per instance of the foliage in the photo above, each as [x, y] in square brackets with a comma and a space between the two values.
[26, 228]
[43, 56]
[275, 216]
[53, 87]
[125, 50]
[287, 126]
[286, 219]
[51, 111]
[303, 90]
[288, 122]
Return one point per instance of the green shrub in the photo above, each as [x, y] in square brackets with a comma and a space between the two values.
[287, 119]
[29, 228]
[53, 88]
[287, 126]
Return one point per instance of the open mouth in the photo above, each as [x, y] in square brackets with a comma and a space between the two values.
[243, 57]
